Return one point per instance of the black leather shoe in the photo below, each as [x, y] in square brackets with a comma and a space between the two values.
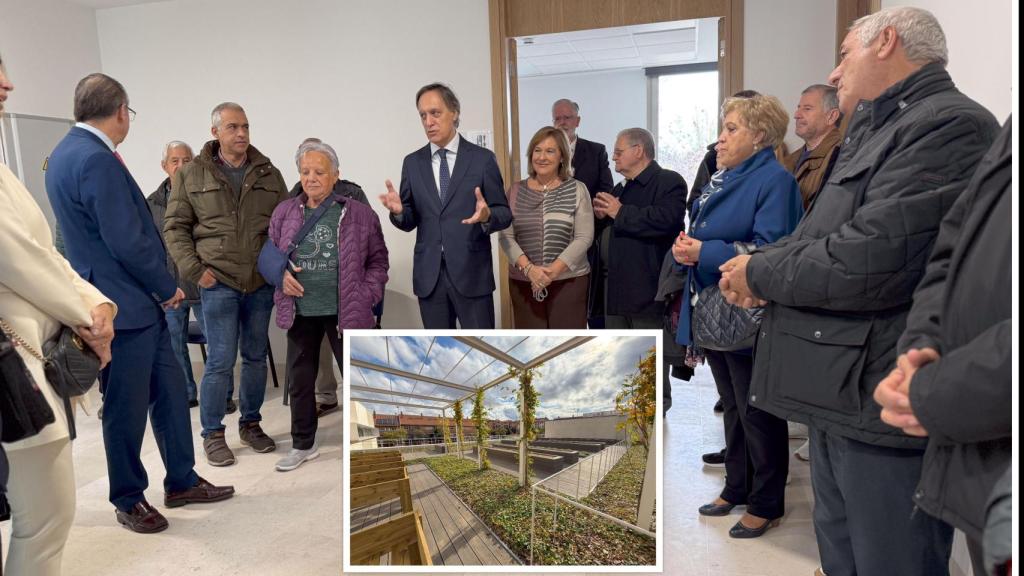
[713, 509]
[741, 531]
[142, 518]
[202, 493]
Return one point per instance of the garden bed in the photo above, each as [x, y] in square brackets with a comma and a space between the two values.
[618, 494]
[581, 538]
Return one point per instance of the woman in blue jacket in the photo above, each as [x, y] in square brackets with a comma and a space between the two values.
[751, 201]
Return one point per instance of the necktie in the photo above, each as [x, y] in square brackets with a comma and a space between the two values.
[118, 156]
[445, 176]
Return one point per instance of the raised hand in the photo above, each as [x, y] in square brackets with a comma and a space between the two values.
[390, 199]
[606, 205]
[481, 213]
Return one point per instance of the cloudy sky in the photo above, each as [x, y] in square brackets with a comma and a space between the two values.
[584, 379]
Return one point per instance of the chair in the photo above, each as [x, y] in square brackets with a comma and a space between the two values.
[196, 336]
[401, 539]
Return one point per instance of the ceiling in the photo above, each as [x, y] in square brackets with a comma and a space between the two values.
[641, 46]
[99, 4]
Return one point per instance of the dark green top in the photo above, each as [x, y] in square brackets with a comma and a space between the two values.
[317, 255]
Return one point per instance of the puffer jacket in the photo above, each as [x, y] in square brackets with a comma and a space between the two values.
[346, 188]
[840, 287]
[362, 260]
[158, 206]
[963, 309]
[209, 226]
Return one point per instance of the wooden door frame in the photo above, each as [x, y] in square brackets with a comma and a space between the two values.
[513, 18]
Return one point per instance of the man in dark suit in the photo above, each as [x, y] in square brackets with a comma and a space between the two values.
[453, 195]
[590, 166]
[112, 242]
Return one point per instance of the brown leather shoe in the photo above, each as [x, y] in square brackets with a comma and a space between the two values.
[142, 518]
[203, 492]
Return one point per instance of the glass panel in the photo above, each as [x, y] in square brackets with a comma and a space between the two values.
[687, 120]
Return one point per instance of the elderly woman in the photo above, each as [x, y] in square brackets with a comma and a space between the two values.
[338, 272]
[750, 201]
[39, 291]
[547, 243]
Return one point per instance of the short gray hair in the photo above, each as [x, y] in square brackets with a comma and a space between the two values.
[922, 36]
[176, 144]
[639, 137]
[575, 106]
[315, 145]
[829, 98]
[215, 115]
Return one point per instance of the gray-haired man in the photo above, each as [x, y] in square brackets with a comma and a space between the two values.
[816, 119]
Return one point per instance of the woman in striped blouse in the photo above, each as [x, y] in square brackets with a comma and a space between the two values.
[548, 240]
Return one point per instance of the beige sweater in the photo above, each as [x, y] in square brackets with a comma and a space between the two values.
[39, 290]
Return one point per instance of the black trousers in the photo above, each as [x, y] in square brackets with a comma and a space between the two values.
[304, 338]
[756, 442]
[445, 305]
[865, 519]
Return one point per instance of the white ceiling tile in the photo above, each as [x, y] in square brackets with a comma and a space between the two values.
[688, 48]
[555, 59]
[524, 68]
[666, 37]
[620, 63]
[617, 54]
[590, 44]
[531, 50]
[565, 68]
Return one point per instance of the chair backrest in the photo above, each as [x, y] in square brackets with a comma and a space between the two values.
[382, 492]
[376, 454]
[373, 466]
[401, 537]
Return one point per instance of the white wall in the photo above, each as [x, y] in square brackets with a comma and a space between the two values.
[978, 38]
[788, 46]
[47, 47]
[609, 101]
[344, 72]
[598, 427]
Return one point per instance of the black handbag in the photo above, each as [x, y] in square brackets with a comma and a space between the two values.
[720, 326]
[23, 408]
[71, 367]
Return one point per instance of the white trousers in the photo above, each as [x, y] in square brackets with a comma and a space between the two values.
[41, 492]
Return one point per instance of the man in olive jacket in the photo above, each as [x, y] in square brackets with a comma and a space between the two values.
[839, 289]
[216, 224]
[953, 382]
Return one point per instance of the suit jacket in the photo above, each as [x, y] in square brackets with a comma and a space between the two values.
[440, 233]
[590, 166]
[109, 234]
[39, 291]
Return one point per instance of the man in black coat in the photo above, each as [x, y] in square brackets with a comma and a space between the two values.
[589, 166]
[840, 287]
[642, 216]
[953, 382]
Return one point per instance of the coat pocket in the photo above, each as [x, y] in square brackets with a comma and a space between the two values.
[818, 360]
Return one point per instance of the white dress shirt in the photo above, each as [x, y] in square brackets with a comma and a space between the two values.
[435, 159]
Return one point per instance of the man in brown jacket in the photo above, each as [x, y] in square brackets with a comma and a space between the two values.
[817, 121]
[217, 219]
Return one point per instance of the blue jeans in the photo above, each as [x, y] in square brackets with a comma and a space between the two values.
[232, 319]
[177, 325]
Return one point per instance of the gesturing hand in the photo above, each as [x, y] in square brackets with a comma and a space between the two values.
[291, 286]
[482, 213]
[606, 205]
[390, 199]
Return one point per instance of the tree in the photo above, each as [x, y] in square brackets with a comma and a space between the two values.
[458, 425]
[446, 435]
[637, 400]
[527, 396]
[482, 428]
[392, 437]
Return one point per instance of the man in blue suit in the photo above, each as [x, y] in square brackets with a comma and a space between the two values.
[112, 242]
[453, 195]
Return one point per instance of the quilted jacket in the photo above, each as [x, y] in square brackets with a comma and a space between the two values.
[840, 287]
[362, 261]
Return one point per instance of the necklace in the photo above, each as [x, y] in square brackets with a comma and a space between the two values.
[544, 186]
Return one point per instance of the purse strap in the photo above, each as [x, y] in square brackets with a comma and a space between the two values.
[309, 223]
[20, 341]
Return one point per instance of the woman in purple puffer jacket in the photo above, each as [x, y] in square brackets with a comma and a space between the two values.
[338, 275]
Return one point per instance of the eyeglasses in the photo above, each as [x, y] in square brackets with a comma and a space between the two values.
[619, 151]
[131, 113]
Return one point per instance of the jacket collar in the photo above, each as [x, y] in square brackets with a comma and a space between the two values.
[159, 196]
[211, 148]
[756, 160]
[926, 81]
[644, 177]
[825, 146]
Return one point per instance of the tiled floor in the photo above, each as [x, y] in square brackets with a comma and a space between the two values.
[277, 524]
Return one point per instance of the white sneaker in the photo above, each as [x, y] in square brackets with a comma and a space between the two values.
[296, 457]
[797, 430]
[803, 453]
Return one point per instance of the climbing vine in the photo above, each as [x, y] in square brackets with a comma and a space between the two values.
[528, 397]
[457, 408]
[482, 429]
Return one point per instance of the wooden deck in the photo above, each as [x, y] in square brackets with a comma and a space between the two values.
[455, 536]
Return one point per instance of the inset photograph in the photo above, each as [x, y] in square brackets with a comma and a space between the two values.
[502, 451]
